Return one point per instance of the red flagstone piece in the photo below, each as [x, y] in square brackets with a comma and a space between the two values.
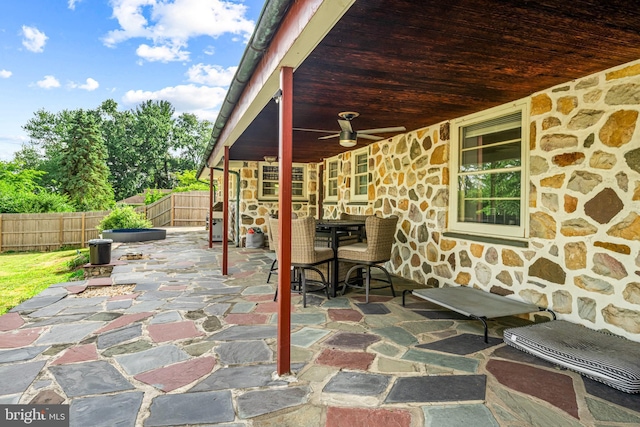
[257, 298]
[269, 307]
[19, 338]
[47, 397]
[346, 359]
[344, 315]
[243, 274]
[365, 417]
[552, 387]
[124, 320]
[80, 353]
[177, 375]
[173, 287]
[10, 321]
[173, 331]
[125, 296]
[75, 289]
[100, 281]
[246, 319]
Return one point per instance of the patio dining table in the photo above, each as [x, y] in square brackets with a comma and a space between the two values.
[334, 226]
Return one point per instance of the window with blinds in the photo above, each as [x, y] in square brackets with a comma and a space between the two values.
[489, 190]
[360, 175]
[332, 173]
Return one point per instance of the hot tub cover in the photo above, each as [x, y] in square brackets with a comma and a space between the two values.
[610, 359]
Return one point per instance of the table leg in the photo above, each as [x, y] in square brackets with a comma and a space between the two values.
[334, 273]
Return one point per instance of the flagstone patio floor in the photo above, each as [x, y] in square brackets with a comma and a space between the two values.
[185, 345]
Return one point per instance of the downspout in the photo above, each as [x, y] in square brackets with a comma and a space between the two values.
[270, 18]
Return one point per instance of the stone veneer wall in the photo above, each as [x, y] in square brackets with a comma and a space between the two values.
[254, 211]
[584, 252]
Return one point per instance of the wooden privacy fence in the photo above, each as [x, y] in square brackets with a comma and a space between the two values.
[46, 232]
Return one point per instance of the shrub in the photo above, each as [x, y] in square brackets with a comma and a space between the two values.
[123, 217]
[152, 196]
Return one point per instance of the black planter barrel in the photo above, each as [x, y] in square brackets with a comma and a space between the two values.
[100, 251]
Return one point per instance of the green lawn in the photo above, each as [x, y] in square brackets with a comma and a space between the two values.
[23, 275]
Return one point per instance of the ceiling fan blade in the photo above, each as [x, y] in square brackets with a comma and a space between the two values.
[382, 130]
[345, 125]
[370, 137]
[314, 130]
[335, 135]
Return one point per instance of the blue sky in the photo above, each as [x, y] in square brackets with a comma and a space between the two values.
[69, 54]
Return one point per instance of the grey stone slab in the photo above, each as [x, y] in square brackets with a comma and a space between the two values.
[185, 306]
[68, 333]
[236, 352]
[10, 399]
[74, 301]
[95, 308]
[147, 286]
[128, 278]
[111, 338]
[244, 333]
[57, 290]
[192, 408]
[339, 302]
[145, 306]
[38, 302]
[358, 383]
[158, 295]
[352, 340]
[242, 377]
[104, 316]
[227, 290]
[453, 362]
[16, 378]
[151, 359]
[119, 304]
[216, 309]
[82, 379]
[58, 320]
[258, 290]
[21, 354]
[373, 308]
[397, 334]
[166, 317]
[304, 318]
[306, 337]
[255, 403]
[442, 388]
[459, 415]
[243, 307]
[106, 411]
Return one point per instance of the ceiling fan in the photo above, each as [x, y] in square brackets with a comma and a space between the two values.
[348, 136]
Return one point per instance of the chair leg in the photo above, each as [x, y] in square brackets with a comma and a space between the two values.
[303, 286]
[272, 269]
[367, 284]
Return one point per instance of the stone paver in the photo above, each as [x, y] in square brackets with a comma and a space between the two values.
[82, 379]
[193, 408]
[192, 347]
[106, 411]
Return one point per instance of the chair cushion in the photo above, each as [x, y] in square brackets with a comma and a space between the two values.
[610, 359]
[355, 252]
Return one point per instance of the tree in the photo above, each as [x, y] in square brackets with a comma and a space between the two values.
[84, 175]
[190, 138]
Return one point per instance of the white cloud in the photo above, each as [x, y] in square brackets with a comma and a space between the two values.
[4, 74]
[72, 4]
[89, 85]
[48, 82]
[170, 24]
[162, 53]
[211, 75]
[34, 39]
[202, 101]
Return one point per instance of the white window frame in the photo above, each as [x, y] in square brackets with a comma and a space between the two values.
[297, 178]
[327, 178]
[486, 229]
[354, 174]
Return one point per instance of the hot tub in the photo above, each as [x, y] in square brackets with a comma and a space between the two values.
[134, 234]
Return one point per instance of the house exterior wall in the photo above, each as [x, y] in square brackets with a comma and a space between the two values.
[254, 212]
[583, 254]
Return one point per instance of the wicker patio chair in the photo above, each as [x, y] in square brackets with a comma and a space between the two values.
[305, 256]
[354, 237]
[274, 265]
[370, 254]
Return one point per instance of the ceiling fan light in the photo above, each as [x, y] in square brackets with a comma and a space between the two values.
[348, 139]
